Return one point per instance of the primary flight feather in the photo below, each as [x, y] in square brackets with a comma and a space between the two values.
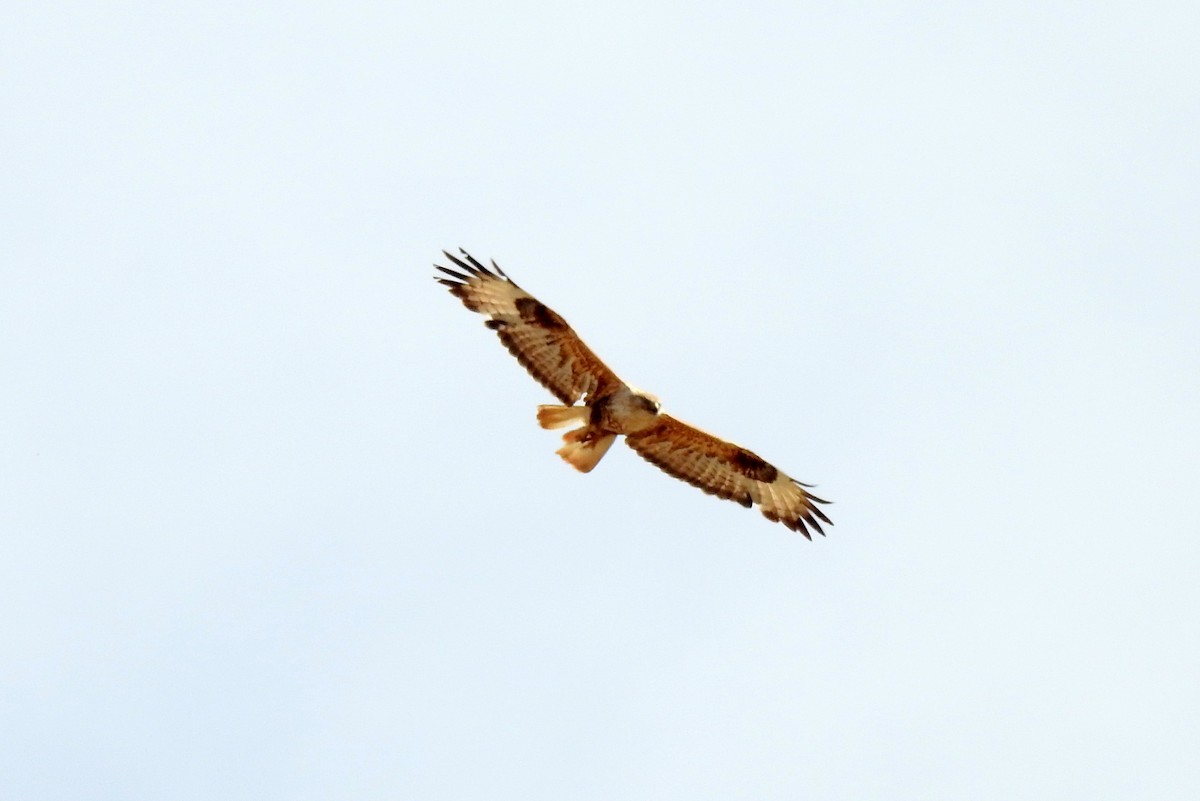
[555, 355]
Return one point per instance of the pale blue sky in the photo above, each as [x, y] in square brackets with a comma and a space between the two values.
[277, 518]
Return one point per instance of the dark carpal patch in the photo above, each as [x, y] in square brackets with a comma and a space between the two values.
[753, 467]
[533, 311]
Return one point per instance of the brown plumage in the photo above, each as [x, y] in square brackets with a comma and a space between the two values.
[554, 354]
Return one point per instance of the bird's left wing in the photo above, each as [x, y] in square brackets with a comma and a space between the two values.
[541, 340]
[728, 471]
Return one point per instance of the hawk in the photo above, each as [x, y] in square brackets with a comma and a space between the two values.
[555, 355]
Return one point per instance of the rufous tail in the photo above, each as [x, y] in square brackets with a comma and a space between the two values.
[562, 416]
[585, 446]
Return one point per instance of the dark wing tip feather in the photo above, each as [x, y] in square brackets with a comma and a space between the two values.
[451, 273]
[472, 266]
[479, 268]
[798, 525]
[809, 495]
[459, 262]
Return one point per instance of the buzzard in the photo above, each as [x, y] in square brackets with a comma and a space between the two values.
[555, 355]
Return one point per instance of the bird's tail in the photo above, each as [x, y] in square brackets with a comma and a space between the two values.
[585, 446]
[562, 416]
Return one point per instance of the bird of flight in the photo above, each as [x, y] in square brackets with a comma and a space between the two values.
[555, 355]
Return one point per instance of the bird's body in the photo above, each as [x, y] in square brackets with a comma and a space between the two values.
[550, 350]
[623, 410]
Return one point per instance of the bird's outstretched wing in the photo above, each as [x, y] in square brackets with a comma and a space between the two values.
[728, 471]
[541, 340]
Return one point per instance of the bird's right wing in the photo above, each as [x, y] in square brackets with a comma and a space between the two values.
[541, 340]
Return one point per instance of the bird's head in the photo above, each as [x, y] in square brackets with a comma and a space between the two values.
[635, 409]
[649, 402]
